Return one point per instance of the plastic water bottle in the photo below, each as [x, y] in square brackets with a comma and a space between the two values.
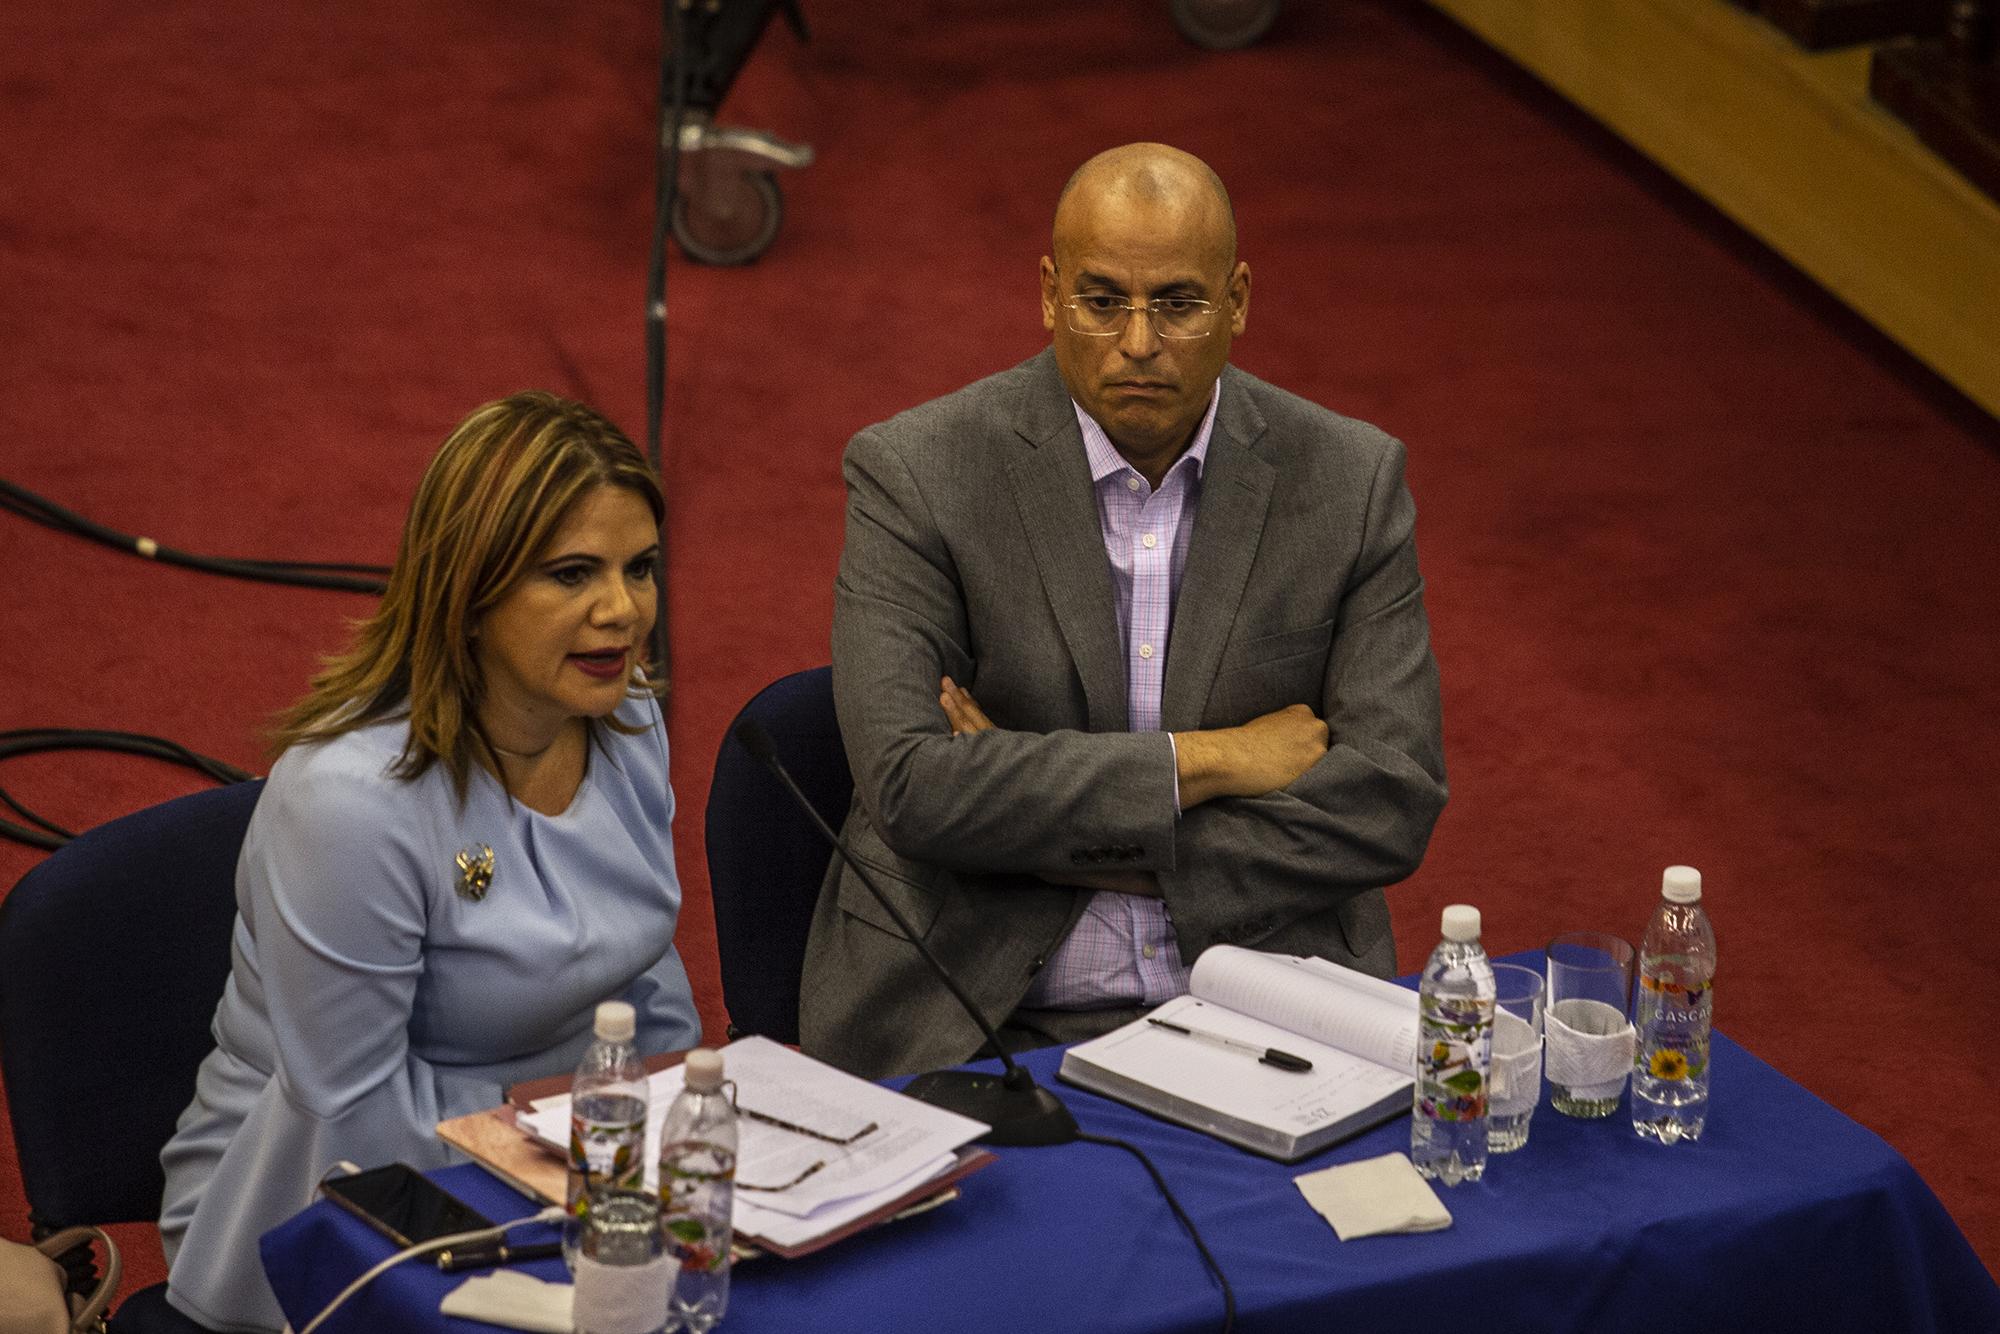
[1676, 1010]
[698, 1192]
[1454, 1054]
[607, 1122]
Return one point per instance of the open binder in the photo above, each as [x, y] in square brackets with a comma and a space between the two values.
[1357, 1034]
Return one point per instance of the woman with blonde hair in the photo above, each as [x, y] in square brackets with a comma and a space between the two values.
[463, 847]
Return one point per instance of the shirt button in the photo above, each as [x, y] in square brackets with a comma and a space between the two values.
[1131, 484]
[1149, 541]
[1150, 951]
[1145, 650]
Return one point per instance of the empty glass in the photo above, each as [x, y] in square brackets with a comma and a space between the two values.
[1589, 1022]
[1517, 1056]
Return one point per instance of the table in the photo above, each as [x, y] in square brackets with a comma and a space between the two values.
[1786, 1215]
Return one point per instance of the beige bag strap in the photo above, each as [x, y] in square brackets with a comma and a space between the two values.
[87, 1314]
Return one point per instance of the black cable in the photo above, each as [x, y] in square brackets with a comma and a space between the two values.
[33, 838]
[55, 829]
[1228, 1293]
[48, 835]
[666, 189]
[343, 577]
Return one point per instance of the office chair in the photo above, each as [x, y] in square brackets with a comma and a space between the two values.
[765, 860]
[113, 954]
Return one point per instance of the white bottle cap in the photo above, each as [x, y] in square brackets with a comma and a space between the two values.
[1681, 884]
[1461, 922]
[704, 1070]
[615, 1022]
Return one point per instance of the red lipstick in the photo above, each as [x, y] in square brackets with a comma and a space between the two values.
[604, 664]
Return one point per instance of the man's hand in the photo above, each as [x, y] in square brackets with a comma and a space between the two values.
[1261, 756]
[962, 711]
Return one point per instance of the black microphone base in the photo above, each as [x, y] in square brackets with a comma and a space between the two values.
[1024, 1115]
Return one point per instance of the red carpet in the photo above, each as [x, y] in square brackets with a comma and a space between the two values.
[1711, 568]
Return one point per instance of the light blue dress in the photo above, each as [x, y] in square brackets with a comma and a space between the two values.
[369, 998]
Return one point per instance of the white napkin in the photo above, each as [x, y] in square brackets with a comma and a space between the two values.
[1517, 1065]
[623, 1296]
[1374, 1196]
[512, 1298]
[1590, 1048]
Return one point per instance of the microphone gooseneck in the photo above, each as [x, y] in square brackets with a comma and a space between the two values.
[1020, 1111]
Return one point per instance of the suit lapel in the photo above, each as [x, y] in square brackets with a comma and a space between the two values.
[1236, 488]
[1058, 508]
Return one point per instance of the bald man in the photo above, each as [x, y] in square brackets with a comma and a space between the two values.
[1130, 659]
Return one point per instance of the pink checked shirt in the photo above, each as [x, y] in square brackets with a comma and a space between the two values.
[1122, 950]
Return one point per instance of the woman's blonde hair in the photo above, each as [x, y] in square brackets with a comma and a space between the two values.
[489, 504]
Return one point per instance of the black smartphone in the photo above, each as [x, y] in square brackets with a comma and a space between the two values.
[403, 1204]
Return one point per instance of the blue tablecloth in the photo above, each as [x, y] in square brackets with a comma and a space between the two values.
[1785, 1216]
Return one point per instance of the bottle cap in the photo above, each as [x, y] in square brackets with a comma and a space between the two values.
[615, 1022]
[1461, 922]
[1681, 884]
[704, 1070]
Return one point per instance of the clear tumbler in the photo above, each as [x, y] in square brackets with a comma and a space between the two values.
[1517, 1056]
[1589, 1022]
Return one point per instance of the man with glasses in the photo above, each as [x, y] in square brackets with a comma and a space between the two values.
[1130, 658]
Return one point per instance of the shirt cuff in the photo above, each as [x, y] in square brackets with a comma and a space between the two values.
[1174, 749]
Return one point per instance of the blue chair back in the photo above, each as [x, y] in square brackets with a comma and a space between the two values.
[765, 860]
[113, 953]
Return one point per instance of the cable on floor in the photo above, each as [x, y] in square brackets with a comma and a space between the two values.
[48, 835]
[307, 574]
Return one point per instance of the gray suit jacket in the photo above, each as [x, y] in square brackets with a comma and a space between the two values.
[973, 550]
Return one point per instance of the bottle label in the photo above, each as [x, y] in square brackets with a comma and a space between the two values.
[1676, 1008]
[696, 1242]
[1454, 1043]
[609, 1152]
[696, 1203]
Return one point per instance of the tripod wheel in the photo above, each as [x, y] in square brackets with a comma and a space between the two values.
[730, 218]
[1224, 25]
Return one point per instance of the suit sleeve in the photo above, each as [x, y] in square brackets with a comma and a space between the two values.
[996, 801]
[1362, 816]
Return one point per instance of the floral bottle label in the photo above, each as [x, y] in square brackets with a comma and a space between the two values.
[1676, 1005]
[610, 1152]
[696, 1204]
[1454, 1045]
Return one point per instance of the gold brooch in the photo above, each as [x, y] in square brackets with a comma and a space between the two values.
[475, 872]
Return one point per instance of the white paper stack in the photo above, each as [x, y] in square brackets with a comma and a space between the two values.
[910, 1143]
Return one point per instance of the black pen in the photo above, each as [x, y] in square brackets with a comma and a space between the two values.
[486, 1257]
[1283, 1060]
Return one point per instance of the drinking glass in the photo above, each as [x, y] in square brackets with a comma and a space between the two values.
[624, 1275]
[1589, 1022]
[1517, 1056]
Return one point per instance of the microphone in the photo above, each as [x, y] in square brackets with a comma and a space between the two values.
[1020, 1111]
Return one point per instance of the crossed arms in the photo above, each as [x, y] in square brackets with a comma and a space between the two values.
[1316, 772]
[1254, 760]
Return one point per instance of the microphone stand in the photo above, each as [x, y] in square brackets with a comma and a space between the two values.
[1020, 1111]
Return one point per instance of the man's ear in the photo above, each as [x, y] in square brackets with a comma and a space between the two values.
[1239, 298]
[1048, 294]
